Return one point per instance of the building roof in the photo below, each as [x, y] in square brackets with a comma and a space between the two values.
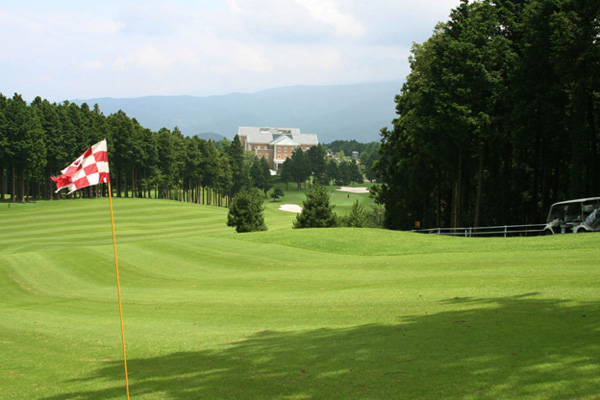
[306, 138]
[253, 130]
[260, 138]
[277, 136]
[284, 140]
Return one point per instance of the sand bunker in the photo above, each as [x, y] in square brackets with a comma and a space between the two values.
[291, 208]
[353, 189]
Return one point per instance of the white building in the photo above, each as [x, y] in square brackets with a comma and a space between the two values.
[276, 144]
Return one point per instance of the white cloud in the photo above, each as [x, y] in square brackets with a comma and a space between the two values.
[92, 64]
[132, 48]
[234, 6]
[327, 11]
[249, 58]
[150, 57]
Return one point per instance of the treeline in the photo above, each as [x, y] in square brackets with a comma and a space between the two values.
[38, 140]
[498, 118]
[315, 164]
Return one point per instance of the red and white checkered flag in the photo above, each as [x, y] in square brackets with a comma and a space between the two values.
[90, 168]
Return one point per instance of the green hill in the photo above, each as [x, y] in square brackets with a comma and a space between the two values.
[287, 314]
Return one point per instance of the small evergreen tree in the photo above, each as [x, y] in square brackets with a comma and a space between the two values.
[357, 218]
[277, 193]
[246, 212]
[316, 210]
[267, 179]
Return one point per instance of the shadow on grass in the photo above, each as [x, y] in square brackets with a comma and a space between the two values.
[515, 347]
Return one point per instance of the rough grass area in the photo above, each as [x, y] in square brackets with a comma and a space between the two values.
[288, 314]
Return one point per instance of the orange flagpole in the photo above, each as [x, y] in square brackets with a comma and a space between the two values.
[112, 220]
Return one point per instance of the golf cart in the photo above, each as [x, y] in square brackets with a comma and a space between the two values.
[574, 216]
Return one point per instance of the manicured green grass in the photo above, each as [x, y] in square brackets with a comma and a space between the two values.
[341, 201]
[288, 314]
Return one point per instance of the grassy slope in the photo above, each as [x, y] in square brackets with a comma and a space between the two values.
[288, 314]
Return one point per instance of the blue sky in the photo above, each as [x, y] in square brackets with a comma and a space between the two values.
[63, 50]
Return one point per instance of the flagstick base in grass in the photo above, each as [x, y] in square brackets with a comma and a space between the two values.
[112, 221]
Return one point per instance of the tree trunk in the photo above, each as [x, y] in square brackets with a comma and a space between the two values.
[133, 188]
[479, 187]
[457, 191]
[13, 195]
[3, 183]
[23, 187]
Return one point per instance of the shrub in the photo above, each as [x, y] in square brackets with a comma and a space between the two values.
[316, 210]
[246, 212]
[357, 218]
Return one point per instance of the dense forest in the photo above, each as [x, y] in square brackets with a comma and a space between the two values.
[498, 118]
[38, 140]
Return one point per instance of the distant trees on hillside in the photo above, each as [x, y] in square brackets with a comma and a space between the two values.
[314, 163]
[368, 154]
[499, 117]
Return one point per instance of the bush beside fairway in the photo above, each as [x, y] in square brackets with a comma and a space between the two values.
[288, 314]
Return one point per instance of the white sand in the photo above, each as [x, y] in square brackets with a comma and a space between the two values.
[353, 189]
[291, 208]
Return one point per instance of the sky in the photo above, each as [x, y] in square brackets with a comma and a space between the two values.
[66, 50]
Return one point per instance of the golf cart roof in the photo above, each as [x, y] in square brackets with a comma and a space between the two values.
[576, 201]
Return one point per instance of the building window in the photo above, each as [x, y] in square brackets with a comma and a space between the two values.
[286, 149]
[279, 149]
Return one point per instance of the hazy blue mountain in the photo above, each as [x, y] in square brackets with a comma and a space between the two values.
[211, 136]
[343, 112]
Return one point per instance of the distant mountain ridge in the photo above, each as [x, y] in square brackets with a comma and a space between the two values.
[211, 136]
[345, 112]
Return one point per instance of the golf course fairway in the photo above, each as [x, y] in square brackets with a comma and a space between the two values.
[336, 313]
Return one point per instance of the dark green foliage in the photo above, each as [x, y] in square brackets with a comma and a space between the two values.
[277, 193]
[499, 117]
[349, 173]
[316, 157]
[246, 212]
[374, 217]
[367, 162]
[316, 210]
[39, 140]
[296, 168]
[239, 169]
[348, 146]
[260, 175]
[24, 152]
[368, 154]
[357, 218]
[331, 170]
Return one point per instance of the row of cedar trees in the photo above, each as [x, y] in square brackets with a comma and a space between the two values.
[40, 139]
[498, 118]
